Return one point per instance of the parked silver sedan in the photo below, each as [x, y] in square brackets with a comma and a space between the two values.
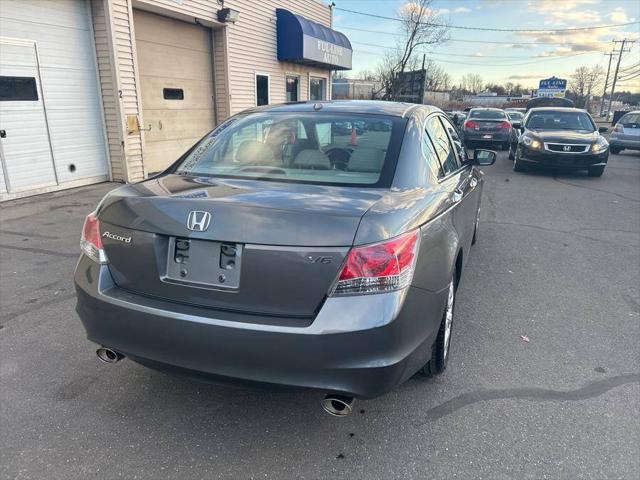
[626, 133]
[291, 248]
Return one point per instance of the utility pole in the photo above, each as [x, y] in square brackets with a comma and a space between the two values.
[604, 92]
[615, 76]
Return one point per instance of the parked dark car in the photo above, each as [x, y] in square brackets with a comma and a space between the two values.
[487, 126]
[515, 118]
[626, 133]
[539, 102]
[257, 259]
[561, 138]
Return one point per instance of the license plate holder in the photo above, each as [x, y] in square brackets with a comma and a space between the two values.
[203, 263]
[487, 137]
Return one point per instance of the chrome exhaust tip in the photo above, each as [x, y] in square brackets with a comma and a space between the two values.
[108, 356]
[338, 405]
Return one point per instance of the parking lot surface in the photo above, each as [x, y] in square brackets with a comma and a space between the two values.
[543, 382]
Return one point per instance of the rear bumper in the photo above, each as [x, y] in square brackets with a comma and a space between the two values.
[362, 345]
[477, 137]
[562, 160]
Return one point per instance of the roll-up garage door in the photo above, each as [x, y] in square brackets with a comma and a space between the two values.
[51, 120]
[176, 82]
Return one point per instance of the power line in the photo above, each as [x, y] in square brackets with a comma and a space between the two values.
[615, 75]
[487, 29]
[465, 40]
[479, 57]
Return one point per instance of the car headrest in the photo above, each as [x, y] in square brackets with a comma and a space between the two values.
[253, 152]
[313, 159]
[366, 160]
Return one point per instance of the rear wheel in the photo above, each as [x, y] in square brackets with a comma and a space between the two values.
[441, 347]
[615, 150]
[596, 171]
[511, 155]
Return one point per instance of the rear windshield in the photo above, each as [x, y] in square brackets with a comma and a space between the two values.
[517, 116]
[630, 120]
[487, 115]
[323, 148]
[550, 120]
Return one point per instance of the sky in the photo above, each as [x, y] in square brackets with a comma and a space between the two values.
[525, 57]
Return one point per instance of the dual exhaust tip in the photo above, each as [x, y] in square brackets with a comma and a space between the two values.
[336, 405]
[108, 356]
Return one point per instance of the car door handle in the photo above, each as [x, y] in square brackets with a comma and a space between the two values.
[473, 182]
[3, 133]
[457, 195]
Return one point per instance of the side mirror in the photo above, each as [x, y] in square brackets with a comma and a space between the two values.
[484, 158]
[603, 129]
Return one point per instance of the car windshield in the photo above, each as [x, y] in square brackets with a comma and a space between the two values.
[558, 120]
[631, 120]
[323, 148]
[487, 115]
[517, 116]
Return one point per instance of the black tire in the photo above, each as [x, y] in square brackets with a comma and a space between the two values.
[596, 171]
[511, 155]
[518, 167]
[474, 239]
[615, 150]
[440, 352]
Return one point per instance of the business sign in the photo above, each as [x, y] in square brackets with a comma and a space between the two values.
[325, 52]
[552, 87]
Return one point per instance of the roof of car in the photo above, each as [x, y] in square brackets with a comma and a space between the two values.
[488, 108]
[398, 109]
[556, 109]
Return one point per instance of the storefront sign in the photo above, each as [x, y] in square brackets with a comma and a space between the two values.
[325, 52]
[552, 87]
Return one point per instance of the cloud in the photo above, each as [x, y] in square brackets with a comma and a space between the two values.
[571, 11]
[618, 15]
[461, 10]
[527, 76]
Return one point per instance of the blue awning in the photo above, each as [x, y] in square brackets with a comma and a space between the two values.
[302, 41]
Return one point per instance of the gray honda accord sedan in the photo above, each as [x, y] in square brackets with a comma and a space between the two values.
[307, 245]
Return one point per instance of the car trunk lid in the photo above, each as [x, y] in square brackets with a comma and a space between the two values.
[269, 248]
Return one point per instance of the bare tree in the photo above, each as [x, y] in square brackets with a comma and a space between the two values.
[471, 82]
[436, 77]
[420, 26]
[583, 81]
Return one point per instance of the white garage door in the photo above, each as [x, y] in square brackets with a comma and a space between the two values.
[50, 114]
[176, 81]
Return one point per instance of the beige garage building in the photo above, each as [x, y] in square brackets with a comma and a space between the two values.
[118, 89]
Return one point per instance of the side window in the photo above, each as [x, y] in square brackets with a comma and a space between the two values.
[430, 155]
[455, 139]
[442, 145]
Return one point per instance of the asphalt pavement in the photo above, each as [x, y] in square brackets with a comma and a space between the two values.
[543, 382]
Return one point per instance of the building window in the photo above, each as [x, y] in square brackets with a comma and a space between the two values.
[173, 93]
[292, 86]
[262, 89]
[317, 88]
[14, 89]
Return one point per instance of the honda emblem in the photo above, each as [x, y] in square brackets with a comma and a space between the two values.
[198, 221]
[566, 148]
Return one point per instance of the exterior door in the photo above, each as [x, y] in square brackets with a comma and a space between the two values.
[176, 82]
[26, 149]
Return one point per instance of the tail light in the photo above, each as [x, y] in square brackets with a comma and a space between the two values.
[471, 124]
[378, 268]
[91, 242]
[504, 125]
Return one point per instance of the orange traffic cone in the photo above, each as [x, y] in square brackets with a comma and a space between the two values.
[354, 137]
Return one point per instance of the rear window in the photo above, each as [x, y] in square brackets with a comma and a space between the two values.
[631, 120]
[517, 116]
[487, 115]
[550, 120]
[318, 147]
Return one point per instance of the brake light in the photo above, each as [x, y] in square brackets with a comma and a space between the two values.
[91, 242]
[471, 124]
[504, 125]
[378, 268]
